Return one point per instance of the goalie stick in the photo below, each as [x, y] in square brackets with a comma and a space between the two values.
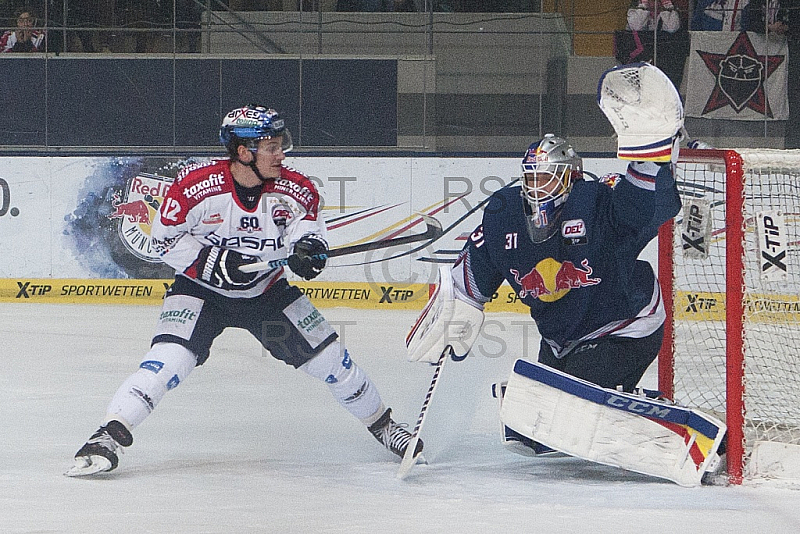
[432, 231]
[410, 459]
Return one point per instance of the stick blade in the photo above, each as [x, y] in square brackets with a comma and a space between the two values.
[409, 460]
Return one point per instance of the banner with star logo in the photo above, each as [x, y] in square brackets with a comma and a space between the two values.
[737, 76]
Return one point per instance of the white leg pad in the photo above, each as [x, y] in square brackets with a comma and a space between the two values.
[351, 386]
[610, 427]
[164, 367]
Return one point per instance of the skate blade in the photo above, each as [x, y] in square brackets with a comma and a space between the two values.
[89, 466]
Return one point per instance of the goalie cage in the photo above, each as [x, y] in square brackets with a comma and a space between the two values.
[728, 265]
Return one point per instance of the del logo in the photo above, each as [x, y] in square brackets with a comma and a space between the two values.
[573, 228]
[135, 209]
[551, 280]
[281, 215]
[574, 232]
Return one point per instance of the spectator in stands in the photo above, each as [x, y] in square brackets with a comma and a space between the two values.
[773, 17]
[638, 43]
[718, 15]
[24, 38]
[375, 5]
[80, 14]
[766, 16]
[646, 15]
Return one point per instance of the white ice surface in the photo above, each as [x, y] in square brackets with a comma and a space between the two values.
[247, 444]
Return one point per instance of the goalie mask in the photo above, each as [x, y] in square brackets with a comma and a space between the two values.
[249, 124]
[549, 169]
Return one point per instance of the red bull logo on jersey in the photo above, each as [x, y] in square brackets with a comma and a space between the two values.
[550, 280]
[135, 208]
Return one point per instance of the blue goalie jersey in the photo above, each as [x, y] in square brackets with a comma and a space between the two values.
[586, 280]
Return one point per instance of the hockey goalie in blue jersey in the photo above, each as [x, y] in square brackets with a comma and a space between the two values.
[569, 246]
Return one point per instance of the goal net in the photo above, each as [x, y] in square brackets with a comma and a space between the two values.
[729, 269]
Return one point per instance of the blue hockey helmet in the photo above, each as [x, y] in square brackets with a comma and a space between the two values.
[249, 124]
[549, 169]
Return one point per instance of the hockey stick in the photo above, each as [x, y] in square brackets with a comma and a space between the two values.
[410, 459]
[446, 230]
[432, 231]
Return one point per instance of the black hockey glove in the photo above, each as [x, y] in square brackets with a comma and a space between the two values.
[305, 261]
[219, 267]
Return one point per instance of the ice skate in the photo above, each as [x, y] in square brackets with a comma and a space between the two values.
[392, 435]
[717, 468]
[99, 454]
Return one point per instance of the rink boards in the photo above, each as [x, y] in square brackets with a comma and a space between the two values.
[151, 292]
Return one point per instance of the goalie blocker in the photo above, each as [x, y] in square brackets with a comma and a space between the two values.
[445, 320]
[627, 431]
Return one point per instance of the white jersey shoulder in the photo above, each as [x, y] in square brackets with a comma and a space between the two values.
[202, 208]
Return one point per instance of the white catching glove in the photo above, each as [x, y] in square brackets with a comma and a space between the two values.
[645, 109]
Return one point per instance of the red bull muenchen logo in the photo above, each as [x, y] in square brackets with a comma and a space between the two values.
[550, 280]
[135, 209]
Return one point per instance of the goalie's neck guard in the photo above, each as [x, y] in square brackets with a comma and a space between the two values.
[538, 230]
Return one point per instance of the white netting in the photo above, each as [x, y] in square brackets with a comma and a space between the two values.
[771, 308]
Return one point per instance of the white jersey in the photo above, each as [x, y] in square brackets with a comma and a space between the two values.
[202, 209]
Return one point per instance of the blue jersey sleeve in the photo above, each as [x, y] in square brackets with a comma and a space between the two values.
[475, 274]
[644, 199]
[668, 200]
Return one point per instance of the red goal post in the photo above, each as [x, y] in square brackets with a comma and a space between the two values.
[728, 265]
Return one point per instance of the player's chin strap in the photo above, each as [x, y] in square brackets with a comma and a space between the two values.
[251, 164]
[253, 167]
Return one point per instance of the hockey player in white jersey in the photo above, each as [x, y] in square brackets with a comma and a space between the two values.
[217, 217]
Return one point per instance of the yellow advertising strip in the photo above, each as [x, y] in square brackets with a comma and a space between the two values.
[365, 295]
[80, 291]
[151, 292]
[699, 306]
[758, 307]
[769, 308]
[689, 305]
[506, 300]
